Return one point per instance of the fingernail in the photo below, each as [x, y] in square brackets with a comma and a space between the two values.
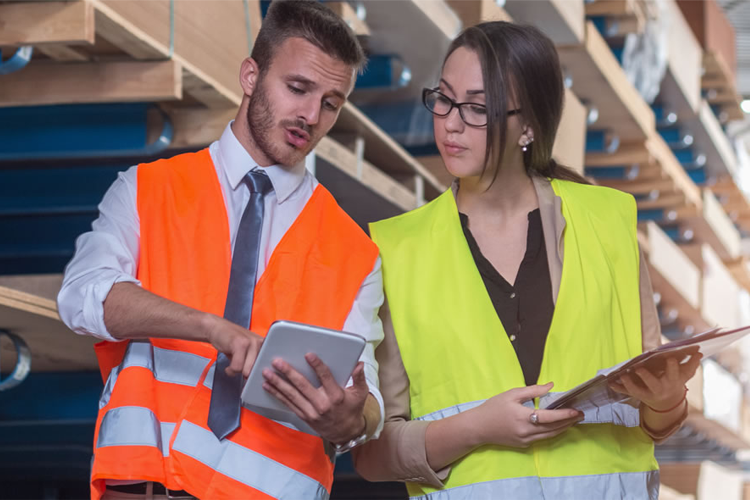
[277, 363]
[310, 356]
[266, 386]
[267, 373]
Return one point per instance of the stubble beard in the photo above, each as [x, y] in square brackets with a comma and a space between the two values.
[261, 120]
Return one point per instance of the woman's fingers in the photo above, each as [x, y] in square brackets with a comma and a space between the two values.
[522, 394]
[557, 416]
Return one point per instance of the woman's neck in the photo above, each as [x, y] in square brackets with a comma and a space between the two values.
[511, 193]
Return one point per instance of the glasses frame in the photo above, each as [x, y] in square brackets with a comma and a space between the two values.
[427, 91]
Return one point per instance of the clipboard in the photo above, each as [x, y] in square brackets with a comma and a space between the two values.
[290, 341]
[595, 392]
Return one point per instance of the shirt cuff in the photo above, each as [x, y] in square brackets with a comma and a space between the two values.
[94, 295]
[420, 468]
[371, 376]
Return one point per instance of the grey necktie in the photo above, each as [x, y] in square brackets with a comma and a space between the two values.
[224, 411]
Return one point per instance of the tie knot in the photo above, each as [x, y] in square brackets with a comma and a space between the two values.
[258, 182]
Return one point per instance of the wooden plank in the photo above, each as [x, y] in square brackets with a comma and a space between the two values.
[728, 241]
[384, 152]
[419, 32]
[62, 53]
[640, 187]
[349, 15]
[719, 302]
[716, 70]
[674, 276]
[711, 140]
[663, 201]
[51, 83]
[626, 154]
[561, 20]
[680, 476]
[681, 87]
[53, 346]
[672, 168]
[197, 126]
[599, 79]
[210, 40]
[611, 8]
[382, 184]
[667, 493]
[473, 12]
[38, 23]
[439, 14]
[570, 142]
[711, 225]
[740, 269]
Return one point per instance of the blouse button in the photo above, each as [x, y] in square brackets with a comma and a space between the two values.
[513, 295]
[512, 338]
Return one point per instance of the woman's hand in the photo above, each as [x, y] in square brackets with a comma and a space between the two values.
[503, 420]
[661, 393]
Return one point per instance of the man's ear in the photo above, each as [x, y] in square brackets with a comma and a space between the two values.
[249, 76]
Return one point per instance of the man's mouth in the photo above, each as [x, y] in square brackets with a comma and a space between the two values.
[297, 137]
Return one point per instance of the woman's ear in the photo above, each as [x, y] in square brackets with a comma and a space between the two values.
[527, 137]
[249, 75]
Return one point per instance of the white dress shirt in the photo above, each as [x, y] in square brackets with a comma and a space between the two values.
[109, 253]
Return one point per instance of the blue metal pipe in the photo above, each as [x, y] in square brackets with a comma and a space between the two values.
[17, 61]
[80, 131]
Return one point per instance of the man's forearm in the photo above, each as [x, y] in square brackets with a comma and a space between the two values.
[130, 312]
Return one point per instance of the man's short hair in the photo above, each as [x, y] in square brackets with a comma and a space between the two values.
[312, 21]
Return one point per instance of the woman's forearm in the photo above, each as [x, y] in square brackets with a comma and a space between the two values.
[450, 439]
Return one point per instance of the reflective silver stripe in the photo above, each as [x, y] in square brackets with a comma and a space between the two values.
[109, 387]
[209, 380]
[167, 365]
[134, 426]
[176, 367]
[449, 412]
[618, 486]
[624, 413]
[246, 466]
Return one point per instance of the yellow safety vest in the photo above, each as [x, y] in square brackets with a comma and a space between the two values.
[457, 353]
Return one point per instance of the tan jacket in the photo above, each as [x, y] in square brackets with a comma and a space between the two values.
[399, 454]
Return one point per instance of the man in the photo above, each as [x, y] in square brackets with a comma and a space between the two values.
[189, 252]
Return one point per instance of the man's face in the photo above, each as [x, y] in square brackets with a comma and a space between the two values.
[297, 101]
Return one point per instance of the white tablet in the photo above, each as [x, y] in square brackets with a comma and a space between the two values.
[290, 341]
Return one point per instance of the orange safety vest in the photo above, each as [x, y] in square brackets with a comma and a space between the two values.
[153, 411]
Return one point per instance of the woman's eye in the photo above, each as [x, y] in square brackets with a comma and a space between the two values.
[479, 110]
[443, 100]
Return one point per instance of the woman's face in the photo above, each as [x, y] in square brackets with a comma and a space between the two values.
[461, 146]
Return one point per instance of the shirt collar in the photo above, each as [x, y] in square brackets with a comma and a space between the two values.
[237, 162]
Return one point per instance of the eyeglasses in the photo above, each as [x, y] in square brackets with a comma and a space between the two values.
[473, 114]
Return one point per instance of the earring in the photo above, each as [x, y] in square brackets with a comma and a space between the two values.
[525, 146]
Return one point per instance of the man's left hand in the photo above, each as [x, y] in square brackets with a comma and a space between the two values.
[331, 411]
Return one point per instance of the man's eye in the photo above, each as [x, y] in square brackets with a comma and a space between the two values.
[329, 105]
[295, 90]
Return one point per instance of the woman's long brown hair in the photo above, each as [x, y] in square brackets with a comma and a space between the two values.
[519, 61]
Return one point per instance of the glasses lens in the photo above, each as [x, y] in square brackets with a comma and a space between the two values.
[437, 103]
[474, 114]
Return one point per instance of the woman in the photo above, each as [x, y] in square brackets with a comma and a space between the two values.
[522, 272]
